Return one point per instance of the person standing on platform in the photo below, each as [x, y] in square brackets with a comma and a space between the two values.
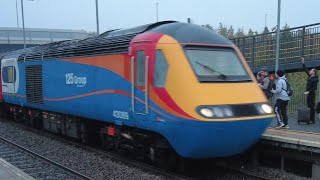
[259, 77]
[266, 84]
[311, 87]
[282, 99]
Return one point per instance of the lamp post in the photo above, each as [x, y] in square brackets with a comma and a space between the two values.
[24, 33]
[97, 16]
[265, 20]
[157, 12]
[278, 37]
[17, 13]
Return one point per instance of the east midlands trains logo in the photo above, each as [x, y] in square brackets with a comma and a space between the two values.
[73, 79]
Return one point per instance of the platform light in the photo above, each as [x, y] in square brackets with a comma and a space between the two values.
[97, 16]
[157, 12]
[17, 14]
[24, 32]
[278, 36]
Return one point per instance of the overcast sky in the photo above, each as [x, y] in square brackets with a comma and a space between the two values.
[113, 14]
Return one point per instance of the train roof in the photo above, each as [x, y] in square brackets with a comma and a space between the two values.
[117, 41]
[190, 33]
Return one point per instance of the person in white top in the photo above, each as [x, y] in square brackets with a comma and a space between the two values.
[282, 99]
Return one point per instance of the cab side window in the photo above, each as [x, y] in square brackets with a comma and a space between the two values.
[8, 74]
[140, 68]
[161, 70]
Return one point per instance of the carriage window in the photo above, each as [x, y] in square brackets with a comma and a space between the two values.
[8, 74]
[161, 70]
[140, 68]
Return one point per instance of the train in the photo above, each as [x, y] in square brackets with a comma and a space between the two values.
[157, 88]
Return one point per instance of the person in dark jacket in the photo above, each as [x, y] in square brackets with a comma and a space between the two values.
[259, 77]
[311, 88]
[266, 84]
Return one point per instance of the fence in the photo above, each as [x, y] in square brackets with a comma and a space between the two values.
[259, 50]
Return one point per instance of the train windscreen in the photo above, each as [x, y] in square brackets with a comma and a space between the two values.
[217, 64]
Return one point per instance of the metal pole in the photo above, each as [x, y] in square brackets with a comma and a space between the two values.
[265, 20]
[278, 37]
[157, 12]
[24, 33]
[97, 16]
[17, 13]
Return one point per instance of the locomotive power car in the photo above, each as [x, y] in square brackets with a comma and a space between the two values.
[152, 88]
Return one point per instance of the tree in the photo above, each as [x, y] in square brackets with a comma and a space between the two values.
[208, 26]
[265, 30]
[287, 40]
[286, 27]
[240, 33]
[230, 32]
[250, 32]
[286, 34]
[223, 30]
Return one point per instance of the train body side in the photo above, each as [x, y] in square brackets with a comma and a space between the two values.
[1, 95]
[100, 87]
[77, 89]
[98, 90]
[94, 91]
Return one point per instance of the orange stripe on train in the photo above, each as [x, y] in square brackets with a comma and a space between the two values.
[120, 65]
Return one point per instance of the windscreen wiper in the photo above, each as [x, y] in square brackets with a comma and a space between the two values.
[221, 75]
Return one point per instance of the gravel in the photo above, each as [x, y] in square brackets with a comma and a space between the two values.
[35, 167]
[271, 173]
[88, 163]
[98, 166]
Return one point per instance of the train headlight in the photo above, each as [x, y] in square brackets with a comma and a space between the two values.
[206, 112]
[228, 112]
[218, 112]
[234, 110]
[266, 108]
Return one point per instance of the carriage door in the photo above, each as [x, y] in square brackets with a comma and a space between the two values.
[139, 80]
[8, 74]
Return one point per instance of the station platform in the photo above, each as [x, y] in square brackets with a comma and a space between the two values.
[10, 172]
[293, 124]
[300, 144]
[300, 140]
[301, 136]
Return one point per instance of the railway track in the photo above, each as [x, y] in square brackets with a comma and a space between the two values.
[34, 164]
[99, 152]
[165, 173]
[138, 164]
[135, 163]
